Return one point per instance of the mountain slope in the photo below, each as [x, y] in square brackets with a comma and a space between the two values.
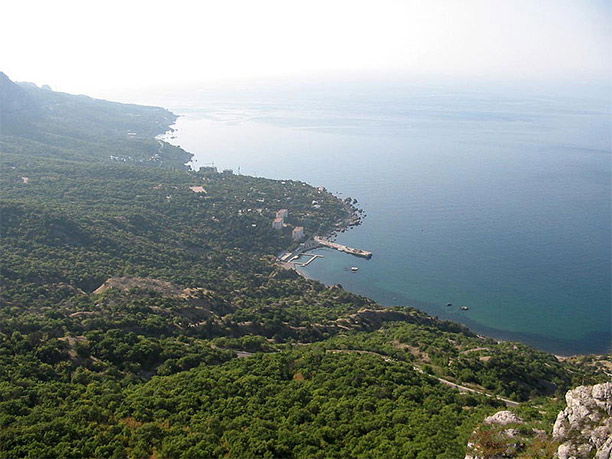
[144, 312]
[41, 122]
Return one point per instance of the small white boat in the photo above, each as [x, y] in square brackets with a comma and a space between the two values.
[354, 268]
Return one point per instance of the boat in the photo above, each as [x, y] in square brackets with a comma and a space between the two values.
[354, 268]
[449, 304]
[464, 308]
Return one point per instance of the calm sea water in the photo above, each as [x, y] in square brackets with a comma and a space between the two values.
[498, 202]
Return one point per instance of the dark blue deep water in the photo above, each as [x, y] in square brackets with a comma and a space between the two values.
[498, 202]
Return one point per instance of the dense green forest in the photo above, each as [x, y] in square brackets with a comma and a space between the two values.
[144, 314]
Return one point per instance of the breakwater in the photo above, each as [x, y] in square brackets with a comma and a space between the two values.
[342, 248]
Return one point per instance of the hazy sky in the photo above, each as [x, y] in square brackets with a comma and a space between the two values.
[96, 46]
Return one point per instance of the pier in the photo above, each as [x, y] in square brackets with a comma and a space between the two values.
[312, 258]
[342, 248]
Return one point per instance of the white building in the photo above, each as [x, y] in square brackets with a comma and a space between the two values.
[298, 233]
[277, 224]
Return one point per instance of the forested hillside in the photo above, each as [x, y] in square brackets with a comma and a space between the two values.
[144, 314]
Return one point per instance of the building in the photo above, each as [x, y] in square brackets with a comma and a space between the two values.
[283, 213]
[277, 224]
[208, 170]
[298, 233]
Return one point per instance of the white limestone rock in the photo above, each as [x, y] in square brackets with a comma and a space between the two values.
[503, 418]
[584, 427]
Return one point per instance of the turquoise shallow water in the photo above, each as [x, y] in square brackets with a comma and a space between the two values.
[498, 203]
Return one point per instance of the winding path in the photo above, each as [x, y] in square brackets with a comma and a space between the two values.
[459, 387]
[386, 358]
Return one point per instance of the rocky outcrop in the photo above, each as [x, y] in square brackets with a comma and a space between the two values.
[372, 318]
[503, 418]
[582, 430]
[584, 427]
[127, 283]
[192, 307]
[500, 440]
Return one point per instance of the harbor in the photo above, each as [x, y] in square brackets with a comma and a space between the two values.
[293, 258]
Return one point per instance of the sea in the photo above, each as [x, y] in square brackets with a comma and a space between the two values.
[493, 198]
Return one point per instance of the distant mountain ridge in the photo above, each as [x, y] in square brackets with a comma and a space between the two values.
[81, 126]
[14, 99]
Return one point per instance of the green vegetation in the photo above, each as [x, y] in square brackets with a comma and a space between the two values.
[140, 318]
[42, 123]
[530, 438]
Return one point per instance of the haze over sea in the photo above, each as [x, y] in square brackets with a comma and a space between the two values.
[498, 200]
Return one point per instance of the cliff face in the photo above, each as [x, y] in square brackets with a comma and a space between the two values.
[584, 428]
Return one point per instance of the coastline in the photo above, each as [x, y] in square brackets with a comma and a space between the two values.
[354, 217]
[347, 223]
[302, 273]
[499, 335]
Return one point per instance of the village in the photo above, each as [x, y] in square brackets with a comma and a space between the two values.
[282, 224]
[298, 235]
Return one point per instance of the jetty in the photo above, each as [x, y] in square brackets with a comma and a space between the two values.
[312, 258]
[342, 248]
